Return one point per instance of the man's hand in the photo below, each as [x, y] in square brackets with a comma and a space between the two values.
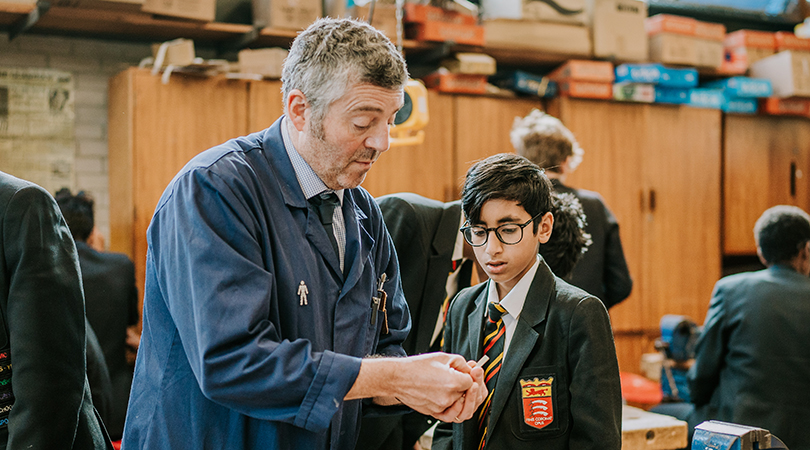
[470, 400]
[438, 384]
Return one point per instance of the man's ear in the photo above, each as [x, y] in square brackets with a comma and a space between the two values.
[297, 109]
[545, 225]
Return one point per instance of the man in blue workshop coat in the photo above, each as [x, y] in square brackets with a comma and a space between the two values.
[262, 304]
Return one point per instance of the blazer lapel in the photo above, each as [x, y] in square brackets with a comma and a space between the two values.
[475, 324]
[358, 241]
[524, 339]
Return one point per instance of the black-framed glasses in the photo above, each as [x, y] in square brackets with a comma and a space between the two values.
[508, 233]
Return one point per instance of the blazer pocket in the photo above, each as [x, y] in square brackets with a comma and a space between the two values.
[541, 398]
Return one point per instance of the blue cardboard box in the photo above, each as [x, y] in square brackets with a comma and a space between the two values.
[525, 83]
[706, 98]
[677, 96]
[739, 105]
[657, 74]
[744, 87]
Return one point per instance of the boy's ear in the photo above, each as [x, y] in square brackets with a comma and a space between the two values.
[544, 227]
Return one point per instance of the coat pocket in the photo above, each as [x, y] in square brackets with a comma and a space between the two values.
[541, 400]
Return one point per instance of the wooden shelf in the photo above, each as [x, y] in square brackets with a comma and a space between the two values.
[128, 22]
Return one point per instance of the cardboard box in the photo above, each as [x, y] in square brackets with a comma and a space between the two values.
[709, 53]
[785, 40]
[706, 98]
[710, 31]
[567, 11]
[177, 52]
[601, 71]
[525, 83]
[750, 38]
[446, 31]
[385, 18]
[204, 10]
[416, 13]
[741, 58]
[266, 62]
[657, 74]
[676, 96]
[558, 38]
[670, 48]
[286, 14]
[785, 106]
[457, 83]
[743, 87]
[737, 105]
[585, 89]
[502, 9]
[667, 23]
[788, 72]
[618, 29]
[471, 63]
[634, 92]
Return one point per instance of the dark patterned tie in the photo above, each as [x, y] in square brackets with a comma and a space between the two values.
[325, 203]
[494, 337]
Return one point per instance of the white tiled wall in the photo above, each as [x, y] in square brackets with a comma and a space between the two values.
[92, 62]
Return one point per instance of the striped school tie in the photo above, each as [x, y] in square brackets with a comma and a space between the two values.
[494, 337]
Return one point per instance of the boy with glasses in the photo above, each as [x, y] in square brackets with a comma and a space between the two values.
[551, 373]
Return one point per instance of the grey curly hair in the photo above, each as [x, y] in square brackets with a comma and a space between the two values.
[545, 141]
[331, 54]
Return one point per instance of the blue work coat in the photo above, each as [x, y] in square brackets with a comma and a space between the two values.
[231, 356]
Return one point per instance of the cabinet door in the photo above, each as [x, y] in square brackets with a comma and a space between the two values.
[765, 161]
[682, 211]
[482, 126]
[155, 129]
[265, 104]
[612, 136]
[425, 169]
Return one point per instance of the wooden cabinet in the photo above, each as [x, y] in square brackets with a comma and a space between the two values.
[766, 163]
[154, 129]
[658, 168]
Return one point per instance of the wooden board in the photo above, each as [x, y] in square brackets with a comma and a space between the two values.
[642, 430]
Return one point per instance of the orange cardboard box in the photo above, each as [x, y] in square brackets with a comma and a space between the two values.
[585, 89]
[574, 69]
[426, 13]
[785, 40]
[751, 38]
[710, 31]
[668, 23]
[785, 106]
[459, 83]
[445, 31]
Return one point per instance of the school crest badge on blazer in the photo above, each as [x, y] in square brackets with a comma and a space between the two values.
[538, 411]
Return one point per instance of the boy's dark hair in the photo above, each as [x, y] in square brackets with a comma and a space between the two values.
[78, 212]
[506, 176]
[568, 241]
[780, 233]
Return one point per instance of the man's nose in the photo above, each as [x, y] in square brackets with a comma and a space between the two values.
[380, 138]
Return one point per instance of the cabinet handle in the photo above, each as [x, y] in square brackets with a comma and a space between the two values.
[793, 178]
[652, 200]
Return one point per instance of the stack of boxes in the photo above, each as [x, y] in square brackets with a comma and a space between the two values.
[735, 95]
[465, 73]
[584, 79]
[745, 47]
[525, 83]
[536, 26]
[685, 41]
[789, 73]
[654, 82]
[434, 24]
